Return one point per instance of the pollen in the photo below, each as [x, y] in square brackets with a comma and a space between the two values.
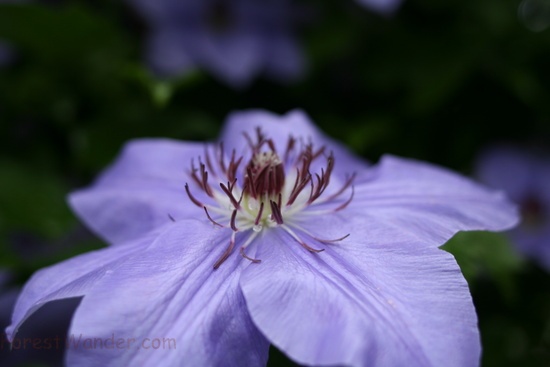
[260, 196]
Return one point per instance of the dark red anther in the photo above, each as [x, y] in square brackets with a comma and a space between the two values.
[260, 212]
[226, 254]
[276, 212]
[229, 194]
[256, 261]
[234, 220]
[192, 198]
[210, 218]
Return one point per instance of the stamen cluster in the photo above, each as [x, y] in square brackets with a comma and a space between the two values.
[268, 197]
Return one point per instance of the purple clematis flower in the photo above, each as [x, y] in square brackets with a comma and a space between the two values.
[234, 39]
[525, 177]
[275, 234]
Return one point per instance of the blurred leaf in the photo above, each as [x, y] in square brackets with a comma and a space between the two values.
[32, 201]
[486, 254]
[162, 90]
[48, 32]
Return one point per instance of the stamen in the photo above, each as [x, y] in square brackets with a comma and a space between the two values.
[209, 217]
[194, 171]
[347, 184]
[233, 166]
[195, 201]
[208, 161]
[227, 252]
[233, 221]
[299, 240]
[260, 212]
[331, 241]
[348, 201]
[229, 194]
[301, 182]
[171, 217]
[205, 185]
[276, 212]
[289, 147]
[255, 261]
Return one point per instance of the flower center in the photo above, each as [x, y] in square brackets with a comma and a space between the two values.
[268, 198]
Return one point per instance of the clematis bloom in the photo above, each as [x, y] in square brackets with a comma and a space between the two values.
[525, 177]
[275, 234]
[235, 40]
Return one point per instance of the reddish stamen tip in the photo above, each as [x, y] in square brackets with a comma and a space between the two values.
[192, 198]
[209, 217]
[311, 249]
[233, 221]
[276, 212]
[226, 254]
[331, 241]
[255, 261]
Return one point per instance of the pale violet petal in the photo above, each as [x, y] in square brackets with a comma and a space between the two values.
[140, 191]
[427, 202]
[71, 278]
[171, 297]
[381, 302]
[279, 128]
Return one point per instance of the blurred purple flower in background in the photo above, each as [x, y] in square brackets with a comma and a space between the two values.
[525, 176]
[233, 39]
[381, 6]
[6, 53]
[275, 234]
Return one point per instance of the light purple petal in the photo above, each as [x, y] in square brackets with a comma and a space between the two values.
[380, 300]
[428, 203]
[69, 279]
[140, 190]
[279, 128]
[171, 291]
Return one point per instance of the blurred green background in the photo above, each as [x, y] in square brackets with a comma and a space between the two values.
[438, 81]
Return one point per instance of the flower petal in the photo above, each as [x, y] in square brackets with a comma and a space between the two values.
[139, 191]
[72, 278]
[428, 203]
[279, 128]
[386, 301]
[170, 307]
